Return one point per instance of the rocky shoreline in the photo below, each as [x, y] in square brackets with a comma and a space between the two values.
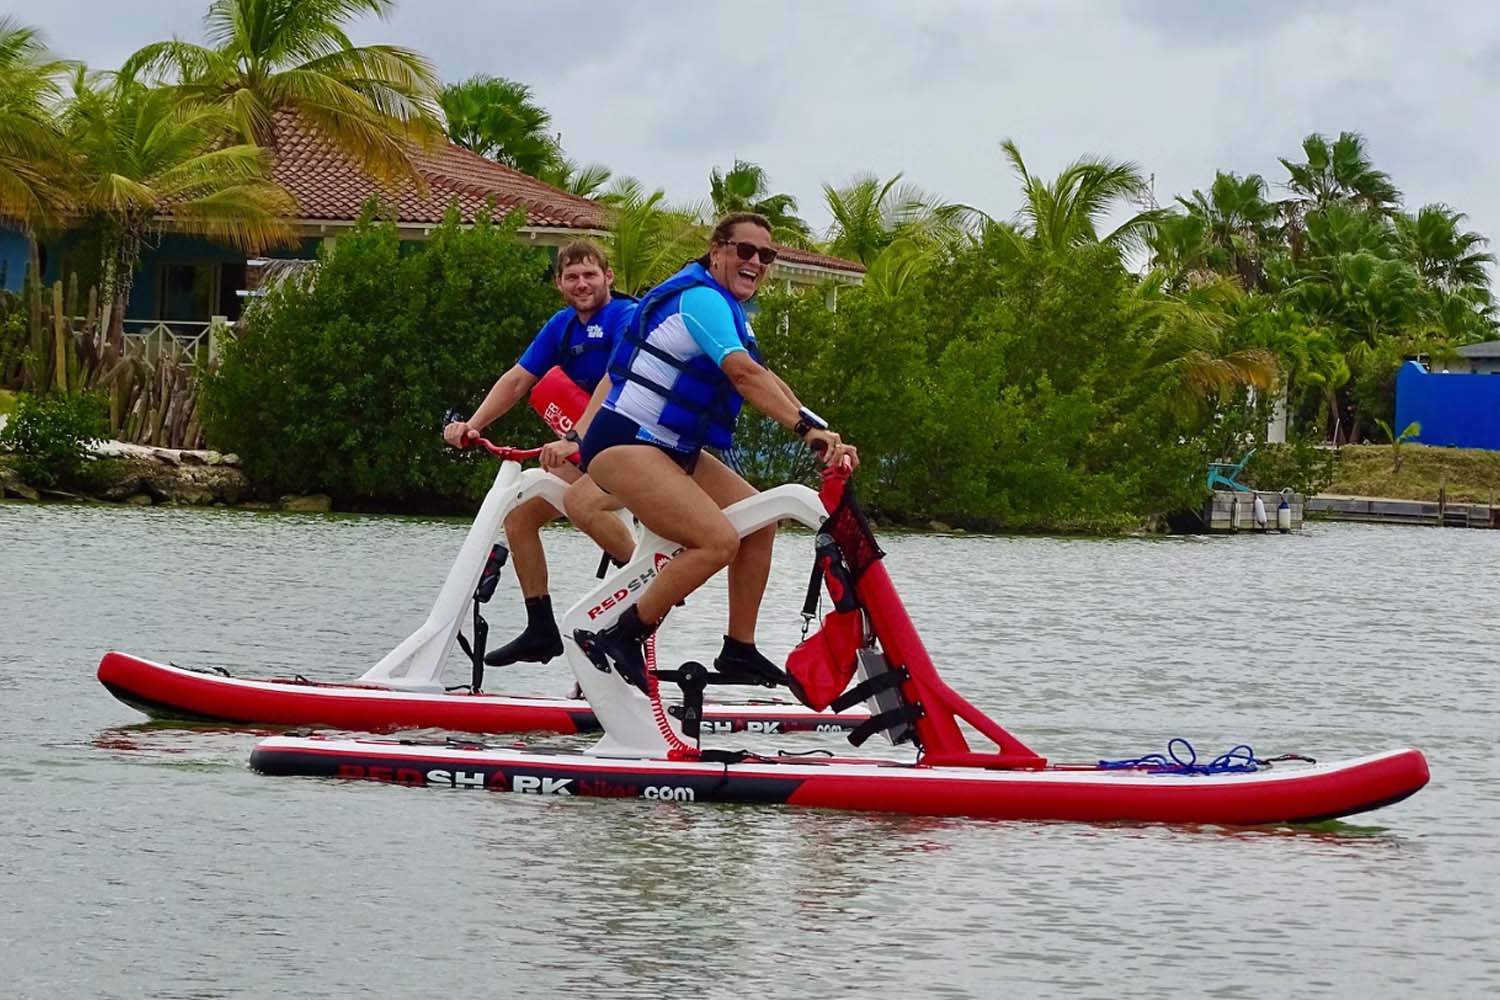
[141, 476]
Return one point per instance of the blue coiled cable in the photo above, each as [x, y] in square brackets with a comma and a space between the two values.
[1181, 758]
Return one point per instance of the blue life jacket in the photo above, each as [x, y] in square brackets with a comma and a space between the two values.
[701, 404]
[585, 359]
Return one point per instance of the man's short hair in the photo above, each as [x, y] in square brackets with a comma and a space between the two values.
[580, 251]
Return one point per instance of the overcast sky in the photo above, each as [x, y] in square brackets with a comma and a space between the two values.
[818, 90]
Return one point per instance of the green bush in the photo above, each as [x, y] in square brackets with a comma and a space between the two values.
[1302, 464]
[992, 392]
[50, 434]
[339, 380]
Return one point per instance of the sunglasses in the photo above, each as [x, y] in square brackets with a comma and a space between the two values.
[744, 251]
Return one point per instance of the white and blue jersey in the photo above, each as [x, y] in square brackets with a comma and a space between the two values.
[666, 374]
[582, 349]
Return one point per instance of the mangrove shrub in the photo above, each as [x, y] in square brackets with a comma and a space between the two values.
[339, 379]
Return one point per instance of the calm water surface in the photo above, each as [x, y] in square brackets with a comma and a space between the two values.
[148, 861]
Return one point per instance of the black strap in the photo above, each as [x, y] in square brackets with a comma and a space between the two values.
[883, 721]
[814, 591]
[869, 687]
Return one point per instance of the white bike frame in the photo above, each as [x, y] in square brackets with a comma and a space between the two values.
[630, 727]
[416, 663]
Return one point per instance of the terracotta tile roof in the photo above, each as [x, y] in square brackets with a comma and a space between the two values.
[328, 185]
[808, 258]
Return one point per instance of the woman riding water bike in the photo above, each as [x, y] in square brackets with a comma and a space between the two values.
[676, 384]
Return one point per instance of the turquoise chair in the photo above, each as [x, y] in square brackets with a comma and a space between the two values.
[1224, 473]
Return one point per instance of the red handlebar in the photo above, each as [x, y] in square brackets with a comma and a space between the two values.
[504, 452]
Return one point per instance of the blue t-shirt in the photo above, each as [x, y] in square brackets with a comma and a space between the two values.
[583, 350]
[708, 319]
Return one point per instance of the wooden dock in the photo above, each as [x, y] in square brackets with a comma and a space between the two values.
[1382, 510]
[1232, 510]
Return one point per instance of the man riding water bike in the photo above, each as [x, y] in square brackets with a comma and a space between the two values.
[676, 383]
[581, 338]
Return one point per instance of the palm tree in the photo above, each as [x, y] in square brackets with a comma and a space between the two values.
[372, 101]
[1337, 174]
[869, 215]
[1237, 225]
[499, 119]
[745, 188]
[1340, 172]
[31, 149]
[585, 181]
[1181, 253]
[649, 239]
[1070, 210]
[1188, 357]
[146, 161]
[1449, 258]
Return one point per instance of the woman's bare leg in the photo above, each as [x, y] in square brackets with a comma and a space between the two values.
[673, 505]
[751, 567]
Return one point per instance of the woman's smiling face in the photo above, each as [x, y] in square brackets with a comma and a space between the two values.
[741, 277]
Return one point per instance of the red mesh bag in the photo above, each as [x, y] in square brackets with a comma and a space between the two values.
[822, 665]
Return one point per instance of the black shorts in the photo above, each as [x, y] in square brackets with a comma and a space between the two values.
[609, 428]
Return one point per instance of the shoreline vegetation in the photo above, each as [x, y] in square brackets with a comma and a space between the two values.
[145, 477]
[1055, 371]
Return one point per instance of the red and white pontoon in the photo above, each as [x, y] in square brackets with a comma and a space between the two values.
[648, 752]
[405, 690]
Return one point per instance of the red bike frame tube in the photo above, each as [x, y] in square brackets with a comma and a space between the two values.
[942, 741]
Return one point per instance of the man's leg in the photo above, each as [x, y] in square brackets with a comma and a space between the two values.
[593, 511]
[523, 535]
[540, 641]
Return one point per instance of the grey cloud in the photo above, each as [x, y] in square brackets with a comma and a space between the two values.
[817, 91]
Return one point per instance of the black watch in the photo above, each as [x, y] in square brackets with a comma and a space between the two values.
[807, 420]
[572, 435]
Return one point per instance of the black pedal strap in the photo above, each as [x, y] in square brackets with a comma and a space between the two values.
[883, 721]
[867, 688]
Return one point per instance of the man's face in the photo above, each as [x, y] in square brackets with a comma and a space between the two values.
[585, 285]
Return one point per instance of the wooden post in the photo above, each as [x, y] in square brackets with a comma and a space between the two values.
[1443, 500]
[33, 291]
[218, 326]
[59, 339]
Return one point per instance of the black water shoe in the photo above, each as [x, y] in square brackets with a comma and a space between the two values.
[742, 661]
[619, 646]
[539, 642]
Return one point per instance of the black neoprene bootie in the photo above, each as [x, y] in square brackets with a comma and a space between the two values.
[619, 646]
[742, 661]
[538, 643]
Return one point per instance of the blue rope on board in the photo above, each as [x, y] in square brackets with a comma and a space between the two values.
[1181, 758]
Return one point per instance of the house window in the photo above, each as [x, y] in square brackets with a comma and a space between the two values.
[187, 291]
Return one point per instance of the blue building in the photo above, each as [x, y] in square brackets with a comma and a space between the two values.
[1455, 409]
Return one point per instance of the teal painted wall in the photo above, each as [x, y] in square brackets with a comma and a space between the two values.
[12, 259]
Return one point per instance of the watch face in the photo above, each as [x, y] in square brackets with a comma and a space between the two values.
[811, 419]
